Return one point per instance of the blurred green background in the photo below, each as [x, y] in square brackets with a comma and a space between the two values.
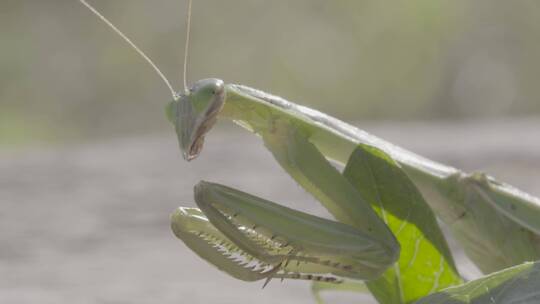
[66, 77]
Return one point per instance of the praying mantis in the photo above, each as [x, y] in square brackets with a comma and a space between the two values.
[385, 201]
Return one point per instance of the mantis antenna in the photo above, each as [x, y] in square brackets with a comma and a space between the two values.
[186, 47]
[141, 53]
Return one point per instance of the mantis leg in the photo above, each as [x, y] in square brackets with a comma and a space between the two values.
[252, 238]
[481, 226]
[192, 226]
[308, 166]
[521, 207]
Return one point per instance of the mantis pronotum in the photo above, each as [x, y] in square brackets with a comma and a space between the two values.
[382, 201]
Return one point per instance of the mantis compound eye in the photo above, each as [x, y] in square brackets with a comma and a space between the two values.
[195, 113]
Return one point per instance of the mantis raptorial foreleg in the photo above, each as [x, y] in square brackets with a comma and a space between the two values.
[252, 238]
[306, 164]
[192, 226]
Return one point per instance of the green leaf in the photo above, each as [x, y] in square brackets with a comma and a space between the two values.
[425, 264]
[515, 285]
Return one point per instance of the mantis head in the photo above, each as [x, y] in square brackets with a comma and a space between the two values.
[194, 113]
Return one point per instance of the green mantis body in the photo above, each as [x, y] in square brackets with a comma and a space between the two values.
[481, 212]
[475, 206]
[385, 234]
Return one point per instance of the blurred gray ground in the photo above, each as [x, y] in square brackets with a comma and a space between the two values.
[89, 223]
